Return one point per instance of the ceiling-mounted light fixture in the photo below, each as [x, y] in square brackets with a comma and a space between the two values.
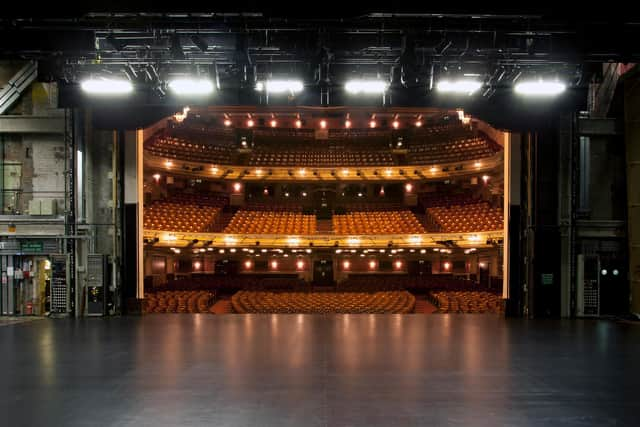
[191, 86]
[540, 88]
[463, 86]
[106, 86]
[280, 86]
[366, 87]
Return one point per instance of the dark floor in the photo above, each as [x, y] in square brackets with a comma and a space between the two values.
[340, 370]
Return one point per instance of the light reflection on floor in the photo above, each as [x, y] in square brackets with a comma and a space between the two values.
[332, 370]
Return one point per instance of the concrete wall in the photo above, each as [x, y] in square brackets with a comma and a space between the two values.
[99, 172]
[607, 179]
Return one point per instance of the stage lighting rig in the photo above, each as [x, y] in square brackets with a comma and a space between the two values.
[176, 48]
[200, 42]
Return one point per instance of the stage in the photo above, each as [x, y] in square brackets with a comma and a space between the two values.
[334, 370]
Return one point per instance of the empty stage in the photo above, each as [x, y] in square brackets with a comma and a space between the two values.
[336, 370]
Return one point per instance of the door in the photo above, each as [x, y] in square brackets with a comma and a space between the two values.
[323, 272]
[7, 294]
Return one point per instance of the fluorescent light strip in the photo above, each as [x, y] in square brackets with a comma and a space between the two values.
[459, 86]
[188, 86]
[540, 88]
[106, 86]
[366, 86]
[280, 86]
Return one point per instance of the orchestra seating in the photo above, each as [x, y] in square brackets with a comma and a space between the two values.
[377, 223]
[180, 216]
[178, 302]
[467, 302]
[466, 219]
[323, 302]
[234, 283]
[290, 282]
[269, 222]
[394, 281]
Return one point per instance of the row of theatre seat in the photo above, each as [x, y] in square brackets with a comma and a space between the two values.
[184, 149]
[323, 302]
[331, 138]
[180, 217]
[465, 218]
[178, 302]
[265, 222]
[385, 222]
[467, 302]
[186, 214]
[373, 206]
[290, 147]
[363, 282]
[445, 199]
[354, 283]
[451, 151]
[324, 158]
[269, 219]
[216, 199]
[273, 207]
[229, 284]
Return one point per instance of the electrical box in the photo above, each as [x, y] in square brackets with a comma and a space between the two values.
[35, 207]
[588, 292]
[60, 284]
[48, 206]
[97, 283]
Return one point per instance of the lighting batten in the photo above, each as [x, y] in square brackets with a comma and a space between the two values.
[540, 88]
[368, 87]
[280, 86]
[459, 86]
[189, 86]
[106, 86]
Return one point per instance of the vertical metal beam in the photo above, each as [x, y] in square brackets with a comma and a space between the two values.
[512, 253]
[512, 171]
[79, 209]
[119, 142]
[632, 144]
[532, 208]
[574, 155]
[116, 205]
[140, 211]
[564, 218]
[70, 202]
[2, 174]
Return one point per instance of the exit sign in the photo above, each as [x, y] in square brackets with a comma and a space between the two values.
[31, 246]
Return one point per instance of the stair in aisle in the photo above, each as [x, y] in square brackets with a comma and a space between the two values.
[222, 306]
[324, 226]
[223, 220]
[422, 218]
[423, 306]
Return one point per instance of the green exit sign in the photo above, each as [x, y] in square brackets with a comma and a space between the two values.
[31, 246]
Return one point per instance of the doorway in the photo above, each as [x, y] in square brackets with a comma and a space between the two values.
[323, 272]
[25, 284]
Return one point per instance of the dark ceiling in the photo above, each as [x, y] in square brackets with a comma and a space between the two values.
[325, 44]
